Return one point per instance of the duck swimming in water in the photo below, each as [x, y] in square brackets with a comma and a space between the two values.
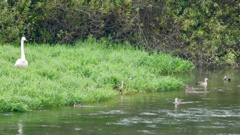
[189, 89]
[225, 78]
[77, 105]
[202, 83]
[177, 101]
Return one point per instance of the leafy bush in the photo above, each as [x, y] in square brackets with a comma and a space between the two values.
[202, 32]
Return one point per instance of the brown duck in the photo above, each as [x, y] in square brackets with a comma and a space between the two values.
[189, 89]
[120, 88]
[202, 83]
[77, 105]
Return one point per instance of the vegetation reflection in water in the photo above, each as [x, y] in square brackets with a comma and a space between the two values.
[214, 110]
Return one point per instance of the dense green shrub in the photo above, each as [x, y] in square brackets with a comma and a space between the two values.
[209, 31]
[13, 19]
[206, 32]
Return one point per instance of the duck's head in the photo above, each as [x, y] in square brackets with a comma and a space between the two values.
[176, 99]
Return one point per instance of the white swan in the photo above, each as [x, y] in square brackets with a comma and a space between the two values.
[22, 62]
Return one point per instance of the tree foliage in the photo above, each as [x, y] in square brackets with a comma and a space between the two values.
[206, 32]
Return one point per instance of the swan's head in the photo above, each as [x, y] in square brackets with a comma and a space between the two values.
[206, 79]
[23, 39]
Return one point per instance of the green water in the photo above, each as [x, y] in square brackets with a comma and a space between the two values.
[211, 110]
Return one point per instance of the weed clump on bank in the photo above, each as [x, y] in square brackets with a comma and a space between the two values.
[60, 75]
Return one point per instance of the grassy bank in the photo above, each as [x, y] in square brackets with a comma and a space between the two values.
[59, 75]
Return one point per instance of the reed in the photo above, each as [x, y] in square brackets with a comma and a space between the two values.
[87, 72]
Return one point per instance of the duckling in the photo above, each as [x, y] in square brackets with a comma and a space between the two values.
[177, 101]
[77, 105]
[119, 87]
[186, 87]
[189, 90]
[225, 78]
[202, 83]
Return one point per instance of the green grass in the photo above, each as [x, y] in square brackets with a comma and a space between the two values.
[59, 75]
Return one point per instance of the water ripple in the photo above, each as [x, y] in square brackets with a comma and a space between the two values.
[108, 112]
[146, 131]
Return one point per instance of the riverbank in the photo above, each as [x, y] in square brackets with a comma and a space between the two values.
[87, 72]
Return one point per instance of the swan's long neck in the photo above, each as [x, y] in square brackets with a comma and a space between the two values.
[22, 50]
[122, 85]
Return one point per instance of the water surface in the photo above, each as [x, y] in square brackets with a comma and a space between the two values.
[211, 110]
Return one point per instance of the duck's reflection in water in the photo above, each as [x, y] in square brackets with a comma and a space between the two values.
[20, 128]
